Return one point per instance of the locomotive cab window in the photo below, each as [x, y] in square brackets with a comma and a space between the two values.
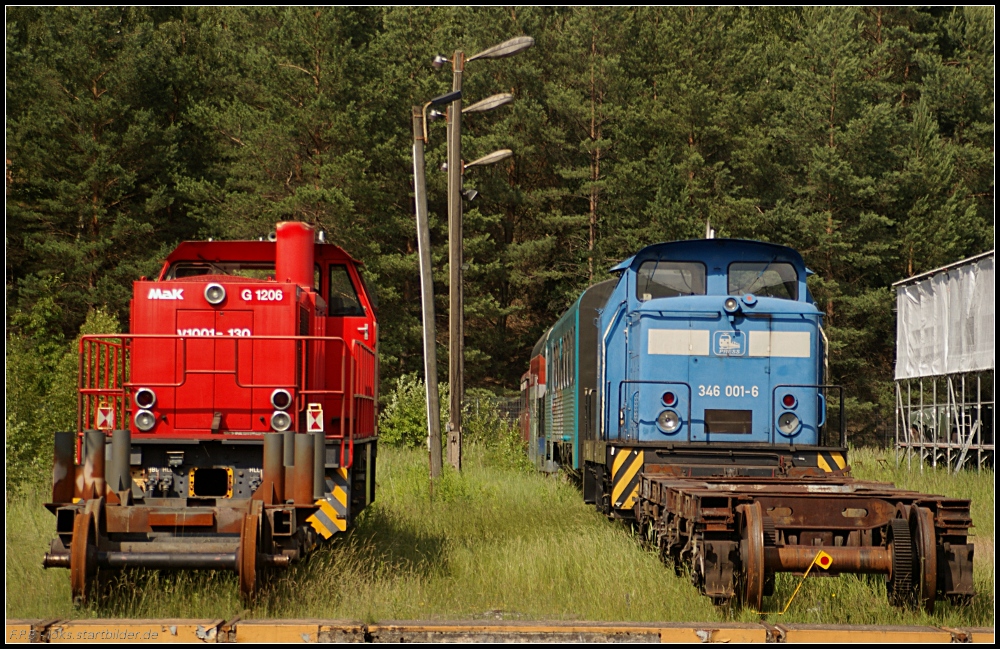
[247, 269]
[764, 279]
[369, 290]
[343, 296]
[252, 270]
[659, 278]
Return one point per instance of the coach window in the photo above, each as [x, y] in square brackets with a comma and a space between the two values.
[343, 297]
[660, 278]
[764, 279]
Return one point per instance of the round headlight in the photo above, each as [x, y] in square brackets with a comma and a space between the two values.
[145, 420]
[280, 421]
[788, 401]
[731, 305]
[145, 398]
[215, 293]
[788, 423]
[281, 399]
[669, 399]
[668, 421]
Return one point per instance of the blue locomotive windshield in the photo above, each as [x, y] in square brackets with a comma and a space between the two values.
[660, 278]
[764, 279]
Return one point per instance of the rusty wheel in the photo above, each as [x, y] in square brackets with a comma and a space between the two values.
[83, 558]
[752, 556]
[247, 567]
[921, 525]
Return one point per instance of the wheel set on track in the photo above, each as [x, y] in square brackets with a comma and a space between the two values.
[86, 579]
[733, 537]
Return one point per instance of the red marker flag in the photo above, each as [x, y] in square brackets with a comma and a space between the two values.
[105, 419]
[823, 560]
[314, 418]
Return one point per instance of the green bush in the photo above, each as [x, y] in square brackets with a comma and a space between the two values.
[41, 374]
[403, 421]
[484, 426]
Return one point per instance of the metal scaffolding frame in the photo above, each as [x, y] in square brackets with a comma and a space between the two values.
[946, 420]
[945, 374]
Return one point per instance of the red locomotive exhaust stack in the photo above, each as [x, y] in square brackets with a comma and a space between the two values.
[294, 257]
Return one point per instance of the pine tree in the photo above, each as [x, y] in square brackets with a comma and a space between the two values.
[863, 137]
[92, 154]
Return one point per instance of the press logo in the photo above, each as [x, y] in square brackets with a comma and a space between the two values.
[166, 294]
[729, 343]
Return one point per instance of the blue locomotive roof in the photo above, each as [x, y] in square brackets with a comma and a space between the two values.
[717, 255]
[622, 265]
[700, 248]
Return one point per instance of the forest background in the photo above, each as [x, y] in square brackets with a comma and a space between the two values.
[863, 137]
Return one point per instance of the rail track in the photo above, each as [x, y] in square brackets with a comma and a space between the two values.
[305, 631]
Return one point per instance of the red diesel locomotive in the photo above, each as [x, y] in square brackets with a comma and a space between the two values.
[234, 427]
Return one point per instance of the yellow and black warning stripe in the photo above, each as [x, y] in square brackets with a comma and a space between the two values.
[626, 466]
[831, 461]
[331, 516]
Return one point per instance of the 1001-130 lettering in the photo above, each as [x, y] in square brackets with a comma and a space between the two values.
[194, 331]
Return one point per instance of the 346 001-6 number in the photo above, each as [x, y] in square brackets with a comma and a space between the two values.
[728, 390]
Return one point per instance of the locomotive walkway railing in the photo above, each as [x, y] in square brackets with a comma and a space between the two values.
[106, 376]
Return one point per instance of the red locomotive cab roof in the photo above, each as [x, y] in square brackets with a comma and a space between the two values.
[248, 252]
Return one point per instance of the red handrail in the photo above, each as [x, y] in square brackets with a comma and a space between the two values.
[105, 373]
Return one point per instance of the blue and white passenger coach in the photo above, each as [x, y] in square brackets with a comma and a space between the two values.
[704, 346]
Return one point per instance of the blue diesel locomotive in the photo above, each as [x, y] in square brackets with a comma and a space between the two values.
[690, 395]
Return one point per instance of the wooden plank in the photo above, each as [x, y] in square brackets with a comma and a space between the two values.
[141, 631]
[831, 634]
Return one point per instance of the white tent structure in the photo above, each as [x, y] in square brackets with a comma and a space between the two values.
[945, 364]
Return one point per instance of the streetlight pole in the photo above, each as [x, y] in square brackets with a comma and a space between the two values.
[456, 319]
[456, 308]
[426, 293]
[427, 281]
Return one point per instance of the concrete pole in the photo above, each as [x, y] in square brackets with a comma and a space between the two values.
[456, 328]
[426, 295]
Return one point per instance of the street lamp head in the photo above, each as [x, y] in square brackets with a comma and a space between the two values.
[490, 158]
[454, 95]
[505, 49]
[489, 103]
[434, 115]
[469, 194]
[438, 61]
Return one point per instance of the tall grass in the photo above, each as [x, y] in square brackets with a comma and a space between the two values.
[496, 541]
[880, 465]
